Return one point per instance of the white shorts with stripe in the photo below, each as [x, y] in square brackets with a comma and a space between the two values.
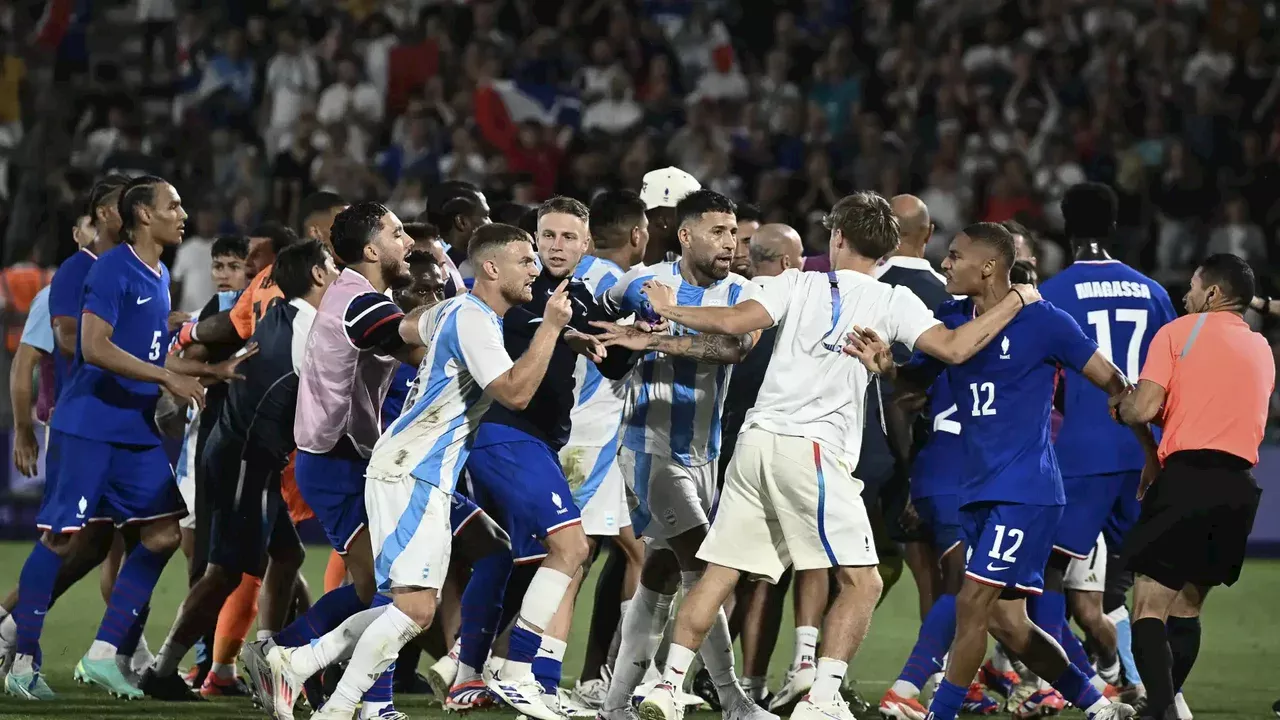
[788, 501]
[670, 499]
[1089, 574]
[410, 531]
[598, 488]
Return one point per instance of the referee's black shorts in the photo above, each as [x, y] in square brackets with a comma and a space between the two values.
[250, 520]
[1195, 521]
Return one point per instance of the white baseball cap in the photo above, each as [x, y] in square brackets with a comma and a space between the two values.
[666, 187]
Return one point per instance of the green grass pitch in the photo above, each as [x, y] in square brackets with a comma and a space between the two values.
[1237, 675]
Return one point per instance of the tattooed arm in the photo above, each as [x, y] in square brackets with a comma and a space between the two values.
[707, 348]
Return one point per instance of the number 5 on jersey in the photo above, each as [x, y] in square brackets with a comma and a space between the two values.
[156, 349]
[984, 396]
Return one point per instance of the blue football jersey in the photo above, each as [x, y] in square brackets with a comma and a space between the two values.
[1121, 309]
[1004, 395]
[401, 384]
[938, 467]
[66, 298]
[133, 298]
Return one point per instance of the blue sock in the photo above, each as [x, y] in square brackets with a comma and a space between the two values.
[482, 607]
[1075, 652]
[1075, 687]
[326, 614]
[130, 644]
[35, 592]
[380, 692]
[947, 700]
[1049, 611]
[547, 671]
[524, 644]
[1124, 644]
[137, 579]
[936, 633]
[202, 652]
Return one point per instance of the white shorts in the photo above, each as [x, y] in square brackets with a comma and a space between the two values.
[1089, 574]
[410, 532]
[186, 474]
[669, 499]
[598, 488]
[788, 501]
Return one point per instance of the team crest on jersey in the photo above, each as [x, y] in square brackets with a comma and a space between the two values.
[1004, 348]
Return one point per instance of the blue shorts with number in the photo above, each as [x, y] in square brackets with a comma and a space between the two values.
[1010, 543]
[1089, 502]
[517, 480]
[98, 480]
[333, 486]
[940, 521]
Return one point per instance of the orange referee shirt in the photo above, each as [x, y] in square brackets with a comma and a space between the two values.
[246, 313]
[1218, 377]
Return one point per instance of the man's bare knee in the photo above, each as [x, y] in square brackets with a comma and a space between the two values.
[161, 537]
[865, 582]
[570, 545]
[419, 604]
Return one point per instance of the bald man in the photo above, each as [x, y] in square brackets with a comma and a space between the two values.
[775, 248]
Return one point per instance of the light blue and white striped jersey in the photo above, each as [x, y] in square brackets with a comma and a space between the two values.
[187, 456]
[597, 401]
[675, 403]
[432, 437]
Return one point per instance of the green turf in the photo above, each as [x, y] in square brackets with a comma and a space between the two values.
[1234, 678]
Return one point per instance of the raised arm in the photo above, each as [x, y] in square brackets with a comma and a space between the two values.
[703, 347]
[956, 346]
[515, 387]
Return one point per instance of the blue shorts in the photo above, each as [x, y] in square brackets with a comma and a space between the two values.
[1124, 513]
[519, 476]
[525, 546]
[333, 486]
[940, 521]
[98, 480]
[461, 512]
[1009, 544]
[1090, 499]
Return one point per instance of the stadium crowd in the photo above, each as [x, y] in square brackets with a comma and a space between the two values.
[399, 205]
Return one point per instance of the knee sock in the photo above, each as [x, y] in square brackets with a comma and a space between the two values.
[936, 633]
[237, 614]
[549, 663]
[335, 645]
[134, 585]
[372, 657]
[806, 645]
[826, 686]
[1075, 687]
[642, 627]
[481, 612]
[1124, 644]
[1078, 657]
[540, 604]
[1155, 662]
[716, 651]
[35, 592]
[134, 640]
[947, 700]
[1184, 647]
[326, 614]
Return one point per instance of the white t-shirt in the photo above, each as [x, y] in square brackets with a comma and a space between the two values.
[292, 81]
[812, 389]
[193, 267]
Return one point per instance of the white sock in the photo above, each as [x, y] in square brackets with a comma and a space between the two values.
[336, 645]
[378, 647]
[612, 657]
[171, 653]
[456, 650]
[466, 674]
[540, 603]
[101, 650]
[642, 628]
[1098, 683]
[553, 648]
[142, 657]
[265, 635]
[826, 688]
[905, 689]
[1111, 673]
[492, 666]
[23, 664]
[806, 645]
[1096, 707]
[716, 651]
[8, 630]
[372, 710]
[223, 671]
[679, 658]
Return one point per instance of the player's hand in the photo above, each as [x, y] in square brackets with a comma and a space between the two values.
[911, 400]
[1113, 404]
[624, 336]
[186, 389]
[588, 346]
[177, 319]
[1029, 293]
[559, 310]
[1149, 473]
[226, 370]
[866, 345]
[909, 518]
[645, 326]
[25, 450]
[659, 295]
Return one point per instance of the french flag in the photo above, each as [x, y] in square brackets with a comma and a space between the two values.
[529, 102]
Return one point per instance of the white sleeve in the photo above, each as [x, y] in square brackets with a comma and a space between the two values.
[181, 263]
[479, 341]
[908, 317]
[774, 293]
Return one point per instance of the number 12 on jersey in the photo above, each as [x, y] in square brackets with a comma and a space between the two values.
[984, 396]
[1101, 322]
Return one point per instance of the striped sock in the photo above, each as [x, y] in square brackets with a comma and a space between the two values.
[134, 585]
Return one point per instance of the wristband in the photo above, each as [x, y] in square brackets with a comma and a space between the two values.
[1266, 305]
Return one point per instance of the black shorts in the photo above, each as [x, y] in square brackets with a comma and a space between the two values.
[250, 520]
[1195, 521]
